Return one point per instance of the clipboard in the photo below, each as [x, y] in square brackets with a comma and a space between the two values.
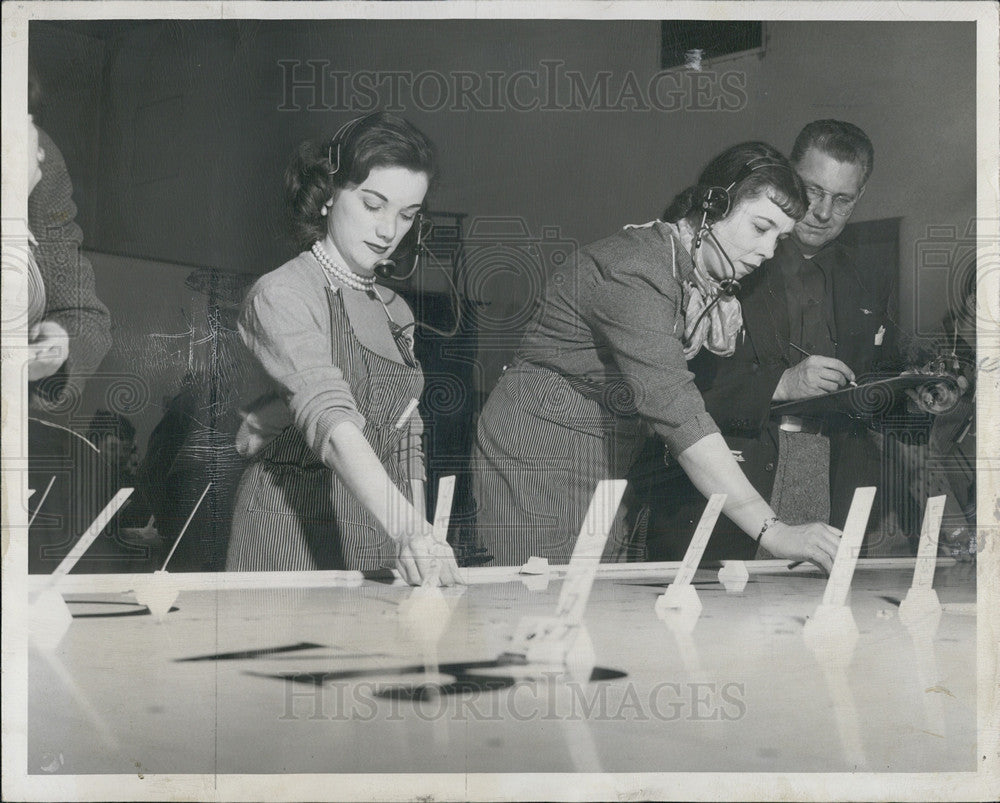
[869, 399]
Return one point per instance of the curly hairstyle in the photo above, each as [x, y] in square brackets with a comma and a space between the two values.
[755, 169]
[378, 139]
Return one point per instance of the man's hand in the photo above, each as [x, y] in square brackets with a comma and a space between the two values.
[814, 376]
[48, 343]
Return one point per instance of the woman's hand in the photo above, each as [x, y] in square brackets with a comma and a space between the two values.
[423, 560]
[48, 344]
[815, 542]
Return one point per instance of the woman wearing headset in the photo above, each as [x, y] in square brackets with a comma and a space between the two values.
[332, 427]
[604, 361]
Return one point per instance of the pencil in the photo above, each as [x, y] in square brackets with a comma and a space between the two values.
[801, 350]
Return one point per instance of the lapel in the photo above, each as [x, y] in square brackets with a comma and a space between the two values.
[765, 307]
[850, 300]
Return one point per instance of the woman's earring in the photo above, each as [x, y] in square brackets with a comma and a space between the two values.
[326, 207]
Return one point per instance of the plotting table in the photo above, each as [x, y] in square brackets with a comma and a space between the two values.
[320, 673]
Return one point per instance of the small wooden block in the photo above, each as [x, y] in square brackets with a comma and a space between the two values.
[158, 592]
[678, 598]
[734, 576]
[535, 565]
[49, 619]
[680, 594]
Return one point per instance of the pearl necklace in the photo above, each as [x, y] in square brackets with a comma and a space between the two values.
[364, 284]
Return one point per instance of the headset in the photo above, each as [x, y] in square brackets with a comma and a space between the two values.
[715, 203]
[411, 246]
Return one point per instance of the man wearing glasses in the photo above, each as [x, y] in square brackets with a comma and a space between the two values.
[813, 322]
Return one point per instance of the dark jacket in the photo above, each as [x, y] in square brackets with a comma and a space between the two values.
[738, 390]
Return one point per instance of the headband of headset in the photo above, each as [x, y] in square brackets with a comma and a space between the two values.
[333, 150]
[715, 201]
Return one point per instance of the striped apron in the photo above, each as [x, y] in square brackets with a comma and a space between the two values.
[292, 512]
[542, 445]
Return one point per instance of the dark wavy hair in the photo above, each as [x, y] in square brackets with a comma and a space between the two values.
[379, 139]
[772, 176]
[845, 142]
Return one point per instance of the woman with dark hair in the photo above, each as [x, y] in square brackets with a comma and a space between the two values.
[604, 362]
[332, 427]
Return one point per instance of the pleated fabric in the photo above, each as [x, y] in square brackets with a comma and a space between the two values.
[292, 513]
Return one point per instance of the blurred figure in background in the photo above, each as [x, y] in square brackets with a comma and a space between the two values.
[69, 332]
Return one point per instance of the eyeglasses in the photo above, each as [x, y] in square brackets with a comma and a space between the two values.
[842, 204]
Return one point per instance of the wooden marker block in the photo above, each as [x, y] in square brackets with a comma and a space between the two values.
[49, 619]
[921, 603]
[158, 592]
[561, 639]
[680, 594]
[734, 576]
[832, 619]
[535, 574]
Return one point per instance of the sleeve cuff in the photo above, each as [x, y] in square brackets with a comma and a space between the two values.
[689, 433]
[328, 422]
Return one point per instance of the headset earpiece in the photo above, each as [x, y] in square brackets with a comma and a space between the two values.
[715, 203]
[333, 150]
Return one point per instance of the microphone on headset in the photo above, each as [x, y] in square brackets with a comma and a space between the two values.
[385, 268]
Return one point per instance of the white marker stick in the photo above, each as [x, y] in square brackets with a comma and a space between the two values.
[923, 572]
[405, 415]
[42, 500]
[588, 550]
[699, 540]
[442, 508]
[850, 547]
[180, 535]
[90, 535]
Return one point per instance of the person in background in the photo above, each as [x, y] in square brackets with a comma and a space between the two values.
[604, 363]
[813, 322]
[69, 333]
[332, 429]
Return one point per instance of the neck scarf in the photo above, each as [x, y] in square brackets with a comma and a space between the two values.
[717, 330]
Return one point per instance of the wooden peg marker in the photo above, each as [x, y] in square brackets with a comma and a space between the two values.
[680, 594]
